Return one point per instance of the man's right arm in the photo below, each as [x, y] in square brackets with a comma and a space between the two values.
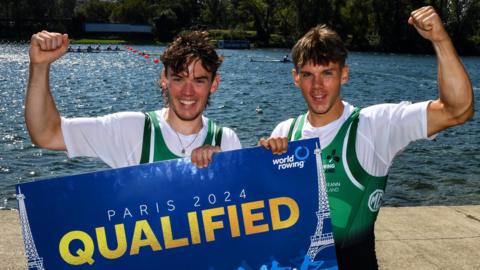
[41, 115]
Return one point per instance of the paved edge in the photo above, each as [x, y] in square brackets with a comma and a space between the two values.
[425, 237]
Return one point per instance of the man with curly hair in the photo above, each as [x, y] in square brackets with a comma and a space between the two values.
[121, 139]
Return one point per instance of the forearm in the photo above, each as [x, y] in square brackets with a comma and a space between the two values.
[41, 115]
[455, 88]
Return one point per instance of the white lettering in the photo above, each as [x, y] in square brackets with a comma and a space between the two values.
[110, 214]
[296, 164]
[143, 209]
[171, 206]
[127, 213]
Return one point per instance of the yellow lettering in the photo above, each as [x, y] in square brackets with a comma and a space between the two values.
[210, 225]
[194, 229]
[249, 218]
[233, 219]
[275, 204]
[83, 256]
[168, 235]
[103, 245]
[142, 227]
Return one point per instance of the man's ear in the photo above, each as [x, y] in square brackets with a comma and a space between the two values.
[215, 83]
[296, 77]
[163, 79]
[344, 78]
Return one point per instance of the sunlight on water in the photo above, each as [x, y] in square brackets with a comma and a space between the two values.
[443, 171]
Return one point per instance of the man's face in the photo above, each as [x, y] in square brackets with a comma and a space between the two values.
[188, 91]
[321, 85]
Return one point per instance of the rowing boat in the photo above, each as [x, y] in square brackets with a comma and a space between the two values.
[93, 51]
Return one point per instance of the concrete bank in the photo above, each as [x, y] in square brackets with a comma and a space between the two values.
[438, 237]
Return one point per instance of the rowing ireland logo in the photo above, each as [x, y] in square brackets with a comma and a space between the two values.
[375, 200]
[330, 162]
[333, 157]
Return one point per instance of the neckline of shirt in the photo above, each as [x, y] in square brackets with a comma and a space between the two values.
[186, 138]
[347, 110]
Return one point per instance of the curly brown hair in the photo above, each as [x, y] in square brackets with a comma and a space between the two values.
[189, 47]
[320, 46]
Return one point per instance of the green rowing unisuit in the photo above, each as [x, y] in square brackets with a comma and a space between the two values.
[353, 194]
[160, 149]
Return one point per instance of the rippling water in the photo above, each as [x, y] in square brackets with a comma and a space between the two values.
[445, 171]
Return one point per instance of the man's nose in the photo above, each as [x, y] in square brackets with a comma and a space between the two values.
[317, 81]
[188, 88]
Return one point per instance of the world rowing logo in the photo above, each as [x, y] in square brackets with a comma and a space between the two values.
[297, 160]
[375, 200]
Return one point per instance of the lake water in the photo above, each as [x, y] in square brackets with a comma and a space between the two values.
[445, 171]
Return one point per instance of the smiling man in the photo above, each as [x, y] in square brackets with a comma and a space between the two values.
[121, 139]
[358, 145]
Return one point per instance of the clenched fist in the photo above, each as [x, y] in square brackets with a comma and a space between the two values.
[46, 47]
[428, 24]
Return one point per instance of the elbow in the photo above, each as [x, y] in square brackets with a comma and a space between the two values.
[51, 140]
[464, 115]
[39, 140]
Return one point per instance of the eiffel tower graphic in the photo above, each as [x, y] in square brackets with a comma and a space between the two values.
[320, 240]
[34, 261]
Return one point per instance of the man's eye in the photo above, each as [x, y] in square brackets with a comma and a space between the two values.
[328, 72]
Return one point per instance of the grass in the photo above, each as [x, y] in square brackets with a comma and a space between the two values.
[113, 41]
[98, 41]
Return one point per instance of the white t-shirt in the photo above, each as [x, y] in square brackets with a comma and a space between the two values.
[117, 138]
[383, 131]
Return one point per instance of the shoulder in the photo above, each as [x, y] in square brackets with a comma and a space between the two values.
[282, 128]
[105, 120]
[394, 111]
[228, 132]
[230, 140]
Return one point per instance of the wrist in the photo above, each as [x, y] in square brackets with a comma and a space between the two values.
[443, 45]
[39, 67]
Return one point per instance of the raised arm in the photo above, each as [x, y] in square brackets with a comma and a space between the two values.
[41, 114]
[455, 103]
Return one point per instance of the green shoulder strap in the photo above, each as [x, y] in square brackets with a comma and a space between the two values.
[160, 149]
[147, 131]
[297, 124]
[214, 134]
[358, 171]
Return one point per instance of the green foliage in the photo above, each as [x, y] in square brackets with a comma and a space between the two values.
[131, 11]
[216, 13]
[364, 24]
[231, 34]
[96, 11]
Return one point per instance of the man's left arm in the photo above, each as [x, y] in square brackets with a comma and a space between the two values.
[455, 103]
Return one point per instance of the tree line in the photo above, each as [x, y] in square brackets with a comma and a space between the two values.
[365, 25]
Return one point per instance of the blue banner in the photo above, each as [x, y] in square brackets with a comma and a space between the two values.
[249, 209]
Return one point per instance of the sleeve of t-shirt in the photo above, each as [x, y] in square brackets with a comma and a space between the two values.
[230, 140]
[116, 138]
[394, 126]
[281, 130]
